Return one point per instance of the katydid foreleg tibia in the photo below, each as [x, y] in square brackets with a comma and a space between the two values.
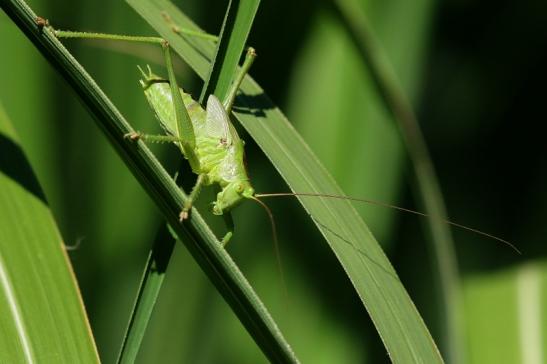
[208, 139]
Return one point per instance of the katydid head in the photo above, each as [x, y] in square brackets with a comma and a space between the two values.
[231, 195]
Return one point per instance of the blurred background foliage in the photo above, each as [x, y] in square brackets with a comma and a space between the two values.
[475, 72]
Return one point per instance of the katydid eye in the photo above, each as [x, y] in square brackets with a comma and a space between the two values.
[239, 188]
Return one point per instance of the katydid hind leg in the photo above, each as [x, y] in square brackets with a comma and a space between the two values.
[120, 37]
[186, 32]
[152, 138]
[249, 58]
[232, 92]
[184, 127]
[185, 130]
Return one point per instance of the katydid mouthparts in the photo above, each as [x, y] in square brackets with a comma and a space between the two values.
[210, 142]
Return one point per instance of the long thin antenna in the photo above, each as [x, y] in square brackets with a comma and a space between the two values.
[275, 241]
[383, 204]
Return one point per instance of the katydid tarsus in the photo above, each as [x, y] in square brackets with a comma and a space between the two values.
[208, 139]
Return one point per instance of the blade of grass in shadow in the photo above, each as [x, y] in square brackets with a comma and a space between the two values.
[428, 189]
[194, 232]
[149, 289]
[42, 312]
[233, 36]
[398, 323]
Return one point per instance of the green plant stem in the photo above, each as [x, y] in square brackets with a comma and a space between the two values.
[194, 232]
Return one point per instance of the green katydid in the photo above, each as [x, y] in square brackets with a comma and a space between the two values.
[216, 153]
[207, 138]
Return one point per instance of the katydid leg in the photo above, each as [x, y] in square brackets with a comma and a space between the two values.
[184, 133]
[232, 92]
[137, 135]
[192, 197]
[89, 35]
[185, 129]
[187, 32]
[230, 225]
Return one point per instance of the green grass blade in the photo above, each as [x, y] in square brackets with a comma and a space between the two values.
[43, 319]
[195, 233]
[233, 36]
[149, 289]
[428, 190]
[397, 321]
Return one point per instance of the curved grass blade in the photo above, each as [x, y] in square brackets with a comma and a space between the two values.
[194, 233]
[233, 36]
[427, 187]
[399, 324]
[149, 289]
[42, 312]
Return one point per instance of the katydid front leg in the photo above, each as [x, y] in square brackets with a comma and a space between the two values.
[229, 221]
[192, 197]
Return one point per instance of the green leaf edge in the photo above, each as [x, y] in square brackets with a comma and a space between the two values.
[45, 317]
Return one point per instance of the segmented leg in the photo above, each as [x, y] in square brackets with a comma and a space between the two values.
[137, 135]
[230, 225]
[185, 129]
[192, 197]
[182, 31]
[249, 59]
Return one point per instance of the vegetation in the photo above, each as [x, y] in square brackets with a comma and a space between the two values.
[349, 75]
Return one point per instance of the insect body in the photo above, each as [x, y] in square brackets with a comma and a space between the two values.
[205, 137]
[218, 153]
